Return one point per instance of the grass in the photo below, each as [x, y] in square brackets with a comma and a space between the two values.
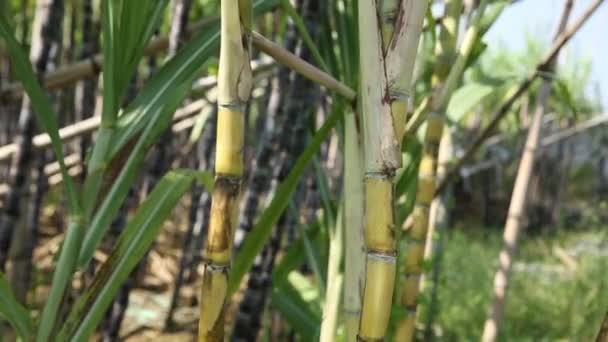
[547, 300]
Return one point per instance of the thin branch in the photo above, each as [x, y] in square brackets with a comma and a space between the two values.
[302, 67]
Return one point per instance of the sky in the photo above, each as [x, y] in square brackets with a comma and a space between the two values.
[539, 18]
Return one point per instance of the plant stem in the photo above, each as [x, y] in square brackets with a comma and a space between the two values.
[388, 35]
[518, 200]
[234, 87]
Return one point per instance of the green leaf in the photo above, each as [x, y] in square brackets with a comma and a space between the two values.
[466, 98]
[42, 106]
[296, 310]
[561, 92]
[47, 120]
[295, 254]
[132, 245]
[14, 312]
[491, 15]
[127, 28]
[161, 117]
[304, 35]
[261, 232]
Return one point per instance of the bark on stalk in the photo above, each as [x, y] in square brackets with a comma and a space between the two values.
[518, 199]
[234, 87]
[386, 70]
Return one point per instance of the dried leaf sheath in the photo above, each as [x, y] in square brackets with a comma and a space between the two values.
[234, 87]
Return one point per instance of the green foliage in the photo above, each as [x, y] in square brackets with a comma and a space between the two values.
[546, 300]
[261, 232]
[12, 311]
[131, 246]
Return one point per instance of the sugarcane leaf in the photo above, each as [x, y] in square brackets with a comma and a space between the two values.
[296, 310]
[491, 15]
[47, 119]
[431, 24]
[15, 313]
[295, 254]
[43, 109]
[145, 118]
[303, 32]
[131, 246]
[256, 240]
[466, 98]
[128, 26]
[562, 93]
[348, 41]
[110, 205]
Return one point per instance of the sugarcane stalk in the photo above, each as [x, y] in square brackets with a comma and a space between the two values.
[386, 71]
[354, 258]
[518, 199]
[438, 224]
[234, 87]
[447, 73]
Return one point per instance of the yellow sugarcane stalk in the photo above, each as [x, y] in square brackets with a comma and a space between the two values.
[444, 80]
[389, 36]
[234, 88]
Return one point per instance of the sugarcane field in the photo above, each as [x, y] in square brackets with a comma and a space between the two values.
[303, 170]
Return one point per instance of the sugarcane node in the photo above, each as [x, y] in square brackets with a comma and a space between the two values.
[381, 256]
[213, 296]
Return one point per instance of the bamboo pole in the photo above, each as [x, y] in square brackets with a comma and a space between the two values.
[234, 89]
[518, 200]
[521, 89]
[390, 35]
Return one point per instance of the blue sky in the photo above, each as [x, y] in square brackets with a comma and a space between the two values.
[539, 18]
